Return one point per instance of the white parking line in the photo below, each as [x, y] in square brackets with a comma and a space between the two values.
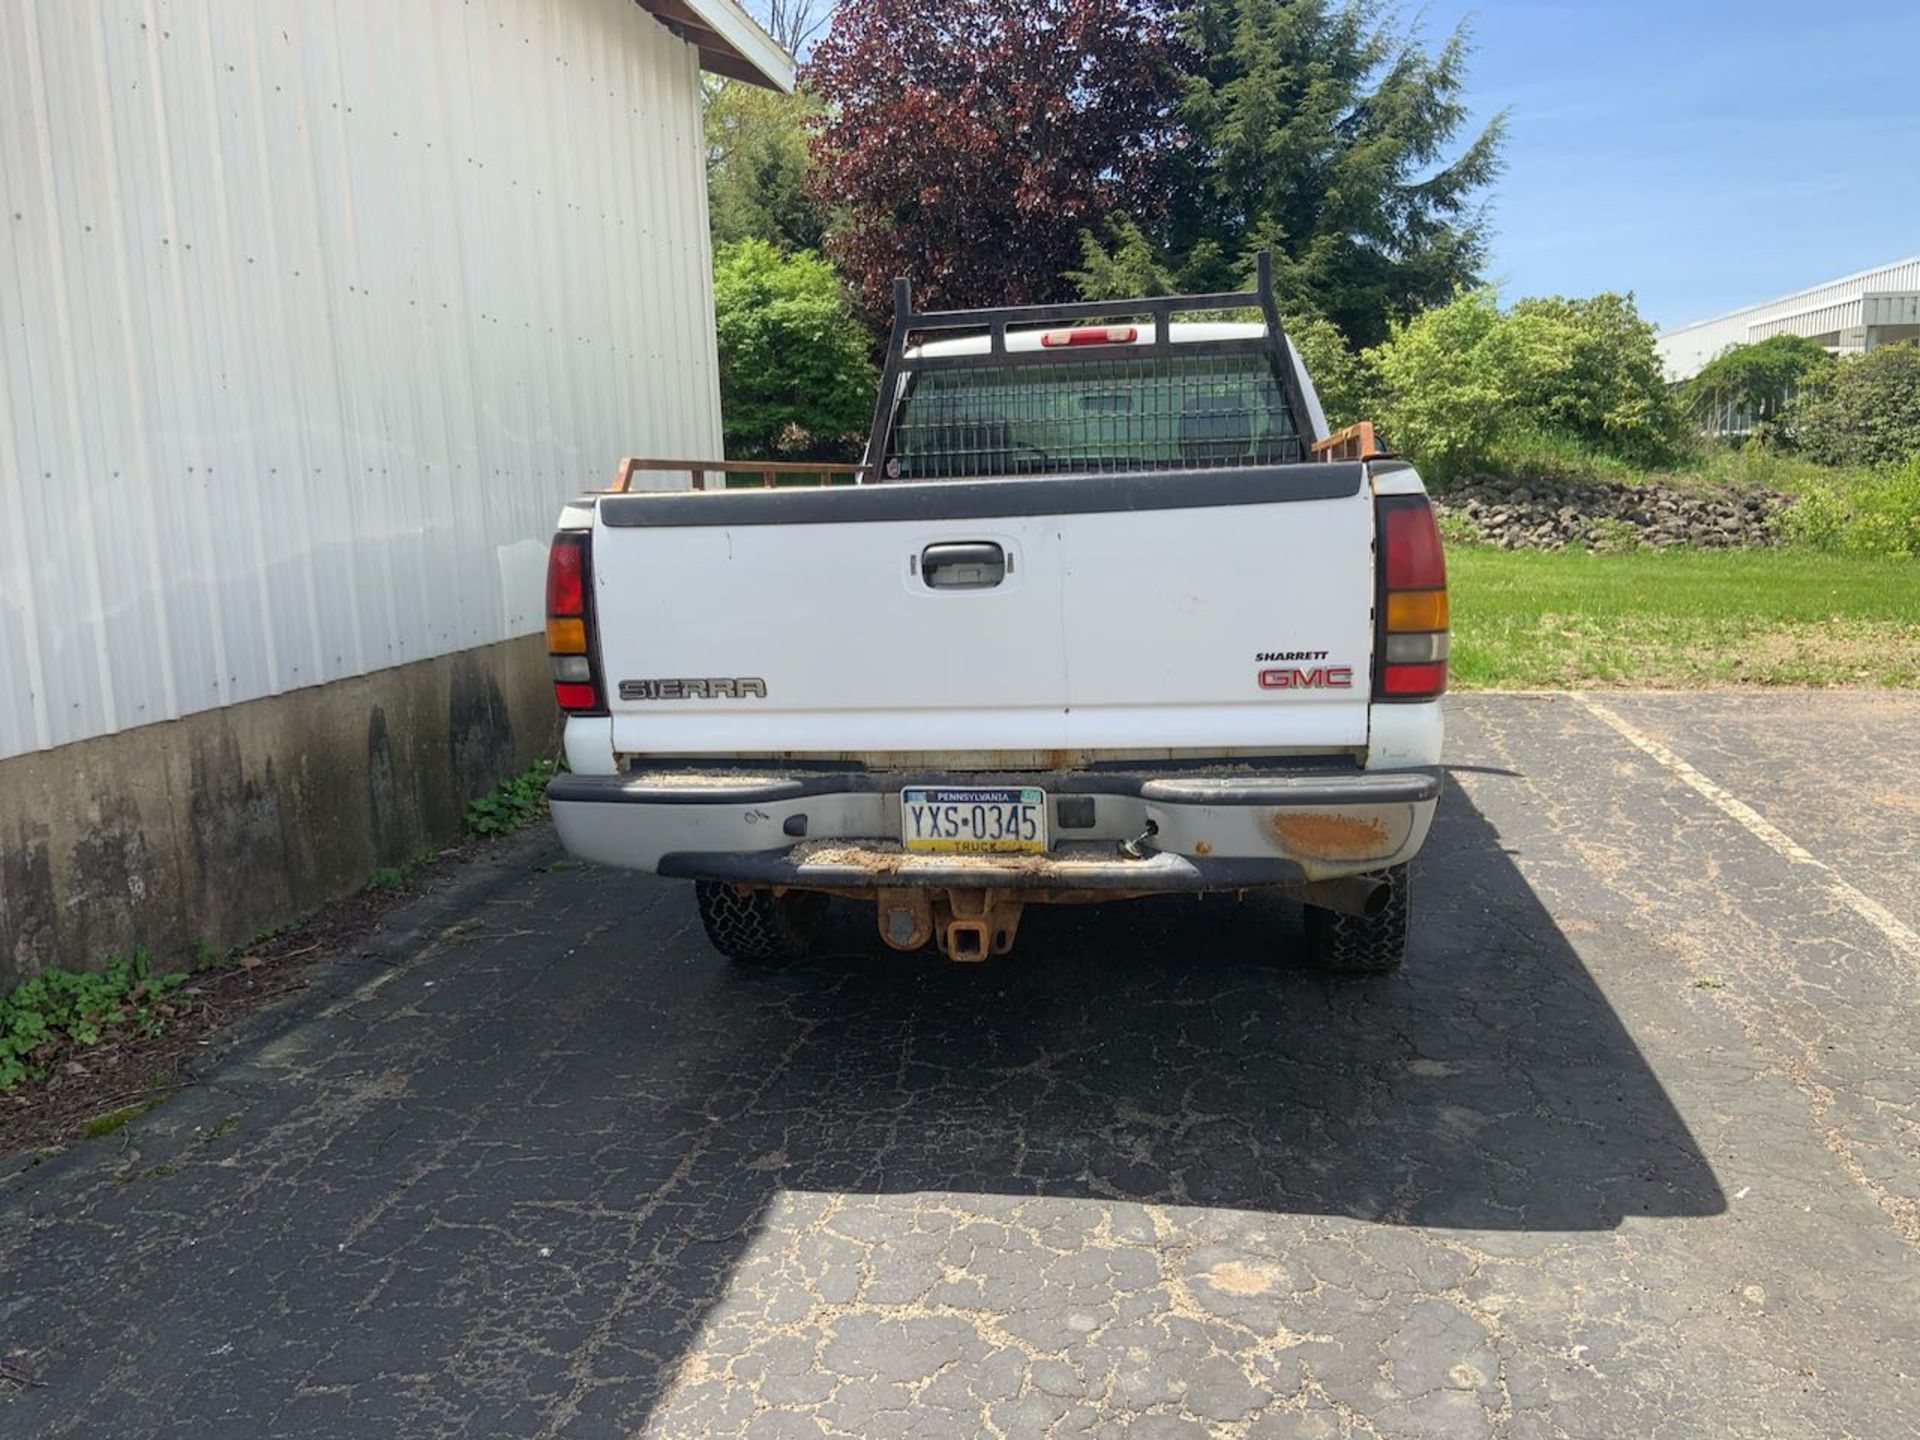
[1897, 932]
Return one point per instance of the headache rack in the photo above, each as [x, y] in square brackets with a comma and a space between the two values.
[1212, 419]
[1143, 404]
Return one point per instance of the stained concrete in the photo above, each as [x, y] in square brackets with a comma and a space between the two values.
[211, 828]
[1627, 1150]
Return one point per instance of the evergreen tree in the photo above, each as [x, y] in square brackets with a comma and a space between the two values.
[1324, 131]
[757, 167]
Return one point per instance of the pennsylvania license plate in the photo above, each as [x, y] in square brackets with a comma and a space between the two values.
[974, 821]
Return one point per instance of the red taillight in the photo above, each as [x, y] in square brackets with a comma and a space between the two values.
[566, 575]
[575, 686]
[1412, 544]
[1414, 682]
[1410, 643]
[1090, 335]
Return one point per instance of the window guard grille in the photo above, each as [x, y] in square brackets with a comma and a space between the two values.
[1158, 411]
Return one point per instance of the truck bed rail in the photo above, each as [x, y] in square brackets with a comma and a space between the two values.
[772, 473]
[1355, 442]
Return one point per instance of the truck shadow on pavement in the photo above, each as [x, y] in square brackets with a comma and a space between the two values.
[1178, 1052]
[505, 1193]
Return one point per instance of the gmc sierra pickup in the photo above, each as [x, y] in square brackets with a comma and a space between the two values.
[1104, 615]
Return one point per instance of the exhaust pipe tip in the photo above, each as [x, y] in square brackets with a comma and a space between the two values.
[1362, 895]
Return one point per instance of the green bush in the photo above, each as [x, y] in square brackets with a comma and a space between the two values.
[795, 378]
[1343, 377]
[1444, 402]
[1588, 368]
[1466, 385]
[1755, 383]
[1872, 513]
[1863, 410]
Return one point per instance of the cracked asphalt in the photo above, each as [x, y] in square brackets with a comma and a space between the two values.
[1629, 1149]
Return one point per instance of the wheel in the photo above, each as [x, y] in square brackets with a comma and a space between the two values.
[755, 925]
[1363, 944]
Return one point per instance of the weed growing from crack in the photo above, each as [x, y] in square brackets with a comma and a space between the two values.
[513, 804]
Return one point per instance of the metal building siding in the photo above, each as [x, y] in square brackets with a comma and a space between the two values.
[310, 318]
[1834, 305]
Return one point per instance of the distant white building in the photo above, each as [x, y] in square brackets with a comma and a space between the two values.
[1849, 316]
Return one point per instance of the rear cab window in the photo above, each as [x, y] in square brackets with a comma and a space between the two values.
[1045, 414]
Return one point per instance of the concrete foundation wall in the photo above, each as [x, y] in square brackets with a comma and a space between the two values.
[219, 825]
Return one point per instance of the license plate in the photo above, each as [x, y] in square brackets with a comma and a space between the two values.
[1006, 820]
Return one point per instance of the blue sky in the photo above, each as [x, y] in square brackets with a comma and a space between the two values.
[1702, 153]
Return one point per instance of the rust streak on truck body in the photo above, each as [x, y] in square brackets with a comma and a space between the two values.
[1328, 834]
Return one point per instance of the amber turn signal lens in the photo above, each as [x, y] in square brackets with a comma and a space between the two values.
[1413, 610]
[566, 637]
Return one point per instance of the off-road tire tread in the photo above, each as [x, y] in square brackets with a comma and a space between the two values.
[1363, 944]
[755, 926]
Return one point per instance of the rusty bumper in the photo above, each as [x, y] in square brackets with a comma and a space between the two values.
[1081, 865]
[833, 829]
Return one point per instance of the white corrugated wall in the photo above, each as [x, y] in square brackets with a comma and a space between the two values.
[311, 314]
[1834, 305]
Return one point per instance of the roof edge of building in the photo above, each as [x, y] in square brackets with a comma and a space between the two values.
[1792, 295]
[730, 41]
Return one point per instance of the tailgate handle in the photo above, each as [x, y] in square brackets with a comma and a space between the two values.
[964, 565]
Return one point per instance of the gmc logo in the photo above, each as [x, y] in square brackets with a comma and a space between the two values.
[1320, 677]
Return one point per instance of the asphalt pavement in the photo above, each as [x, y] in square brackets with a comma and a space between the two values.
[1628, 1149]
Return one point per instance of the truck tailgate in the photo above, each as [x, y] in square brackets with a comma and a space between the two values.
[1189, 611]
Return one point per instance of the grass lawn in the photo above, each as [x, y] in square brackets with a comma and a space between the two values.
[1674, 618]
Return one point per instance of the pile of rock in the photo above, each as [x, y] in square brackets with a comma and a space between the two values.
[1607, 515]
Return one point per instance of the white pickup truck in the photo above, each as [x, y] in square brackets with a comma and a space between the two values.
[1104, 615]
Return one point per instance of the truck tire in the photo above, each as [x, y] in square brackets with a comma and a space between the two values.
[754, 925]
[1363, 944]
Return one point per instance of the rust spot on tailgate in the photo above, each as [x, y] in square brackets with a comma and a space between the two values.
[1328, 834]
